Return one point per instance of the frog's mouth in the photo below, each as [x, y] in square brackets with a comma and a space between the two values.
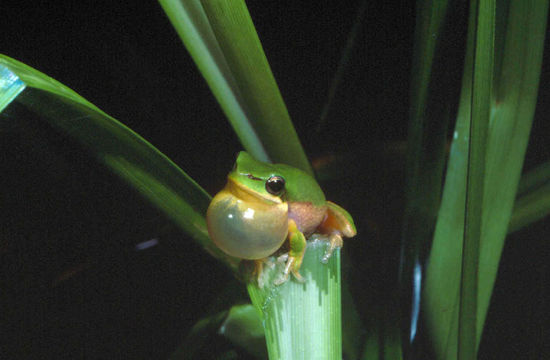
[247, 194]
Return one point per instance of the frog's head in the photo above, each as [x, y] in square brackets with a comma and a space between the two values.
[249, 218]
[252, 180]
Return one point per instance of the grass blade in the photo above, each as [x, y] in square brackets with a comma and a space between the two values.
[193, 27]
[482, 80]
[131, 157]
[222, 40]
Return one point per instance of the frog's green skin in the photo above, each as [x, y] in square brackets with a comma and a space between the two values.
[248, 221]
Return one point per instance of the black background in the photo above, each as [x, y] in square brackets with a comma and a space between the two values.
[72, 283]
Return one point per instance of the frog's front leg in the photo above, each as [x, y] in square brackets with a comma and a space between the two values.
[295, 255]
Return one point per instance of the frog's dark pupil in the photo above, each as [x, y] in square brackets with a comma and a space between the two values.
[275, 185]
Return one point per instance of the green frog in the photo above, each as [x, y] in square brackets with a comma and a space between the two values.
[263, 205]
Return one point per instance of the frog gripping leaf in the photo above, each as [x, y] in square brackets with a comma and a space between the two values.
[263, 205]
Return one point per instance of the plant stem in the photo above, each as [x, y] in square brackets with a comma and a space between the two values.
[302, 320]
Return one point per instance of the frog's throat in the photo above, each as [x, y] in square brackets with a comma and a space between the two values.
[246, 194]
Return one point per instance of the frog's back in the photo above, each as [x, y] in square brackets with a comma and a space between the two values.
[304, 190]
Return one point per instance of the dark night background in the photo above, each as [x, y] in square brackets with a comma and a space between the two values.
[72, 284]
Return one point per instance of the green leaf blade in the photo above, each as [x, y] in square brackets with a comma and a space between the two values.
[131, 157]
[479, 123]
[227, 51]
[512, 115]
[193, 27]
[518, 58]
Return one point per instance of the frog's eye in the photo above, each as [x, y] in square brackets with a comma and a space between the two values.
[275, 185]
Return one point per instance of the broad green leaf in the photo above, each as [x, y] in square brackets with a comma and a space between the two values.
[518, 57]
[512, 114]
[126, 153]
[221, 38]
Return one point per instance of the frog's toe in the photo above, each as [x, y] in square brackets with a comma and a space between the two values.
[282, 279]
[298, 277]
[282, 258]
[292, 265]
[335, 242]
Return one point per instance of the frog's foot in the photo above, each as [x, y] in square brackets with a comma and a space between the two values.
[335, 242]
[255, 271]
[292, 265]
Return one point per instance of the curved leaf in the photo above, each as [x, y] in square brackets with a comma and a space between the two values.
[130, 156]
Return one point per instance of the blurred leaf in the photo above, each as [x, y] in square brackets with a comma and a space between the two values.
[131, 157]
[384, 341]
[342, 64]
[427, 132]
[533, 201]
[199, 335]
[534, 179]
[353, 331]
[518, 58]
[221, 38]
[243, 326]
